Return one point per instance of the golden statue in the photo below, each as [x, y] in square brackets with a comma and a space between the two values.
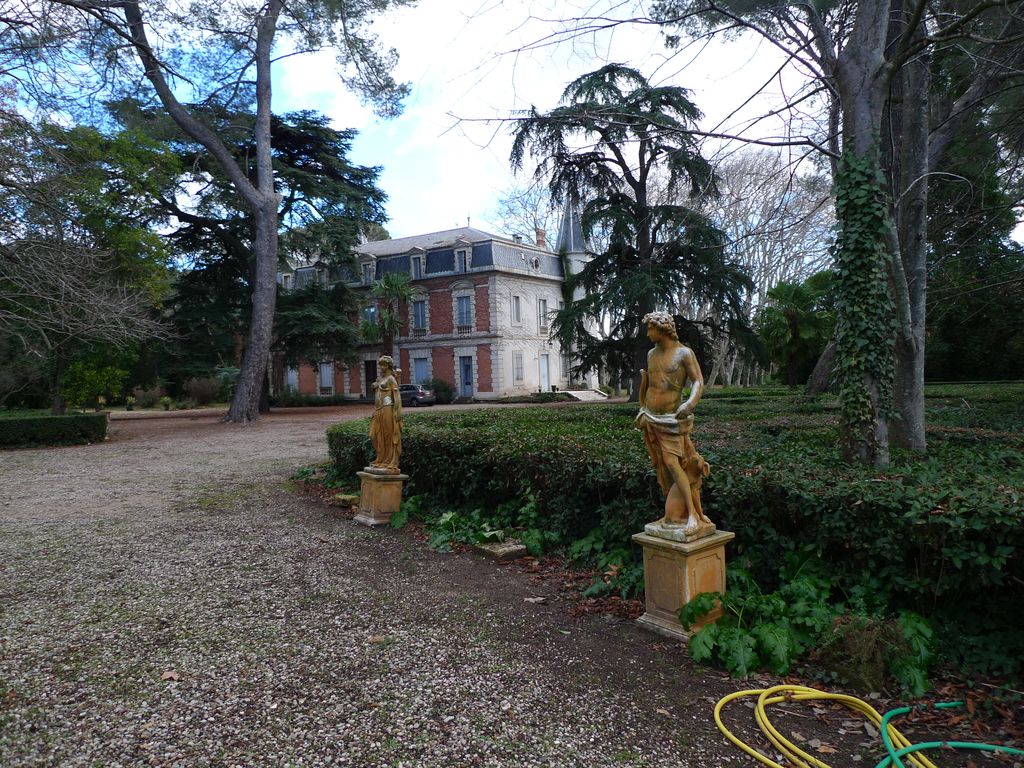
[666, 420]
[386, 424]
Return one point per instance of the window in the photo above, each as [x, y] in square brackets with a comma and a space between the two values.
[367, 274]
[370, 313]
[417, 267]
[542, 315]
[326, 378]
[419, 316]
[420, 370]
[464, 314]
[565, 367]
[517, 310]
[462, 262]
[517, 367]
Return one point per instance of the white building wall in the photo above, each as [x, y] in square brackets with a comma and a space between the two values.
[524, 336]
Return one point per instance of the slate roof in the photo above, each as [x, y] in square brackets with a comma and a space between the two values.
[430, 241]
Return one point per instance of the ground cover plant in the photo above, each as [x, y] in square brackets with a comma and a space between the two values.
[939, 537]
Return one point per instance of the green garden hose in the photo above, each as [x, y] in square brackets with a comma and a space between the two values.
[893, 759]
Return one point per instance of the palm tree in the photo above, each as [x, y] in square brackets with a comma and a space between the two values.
[797, 323]
[390, 294]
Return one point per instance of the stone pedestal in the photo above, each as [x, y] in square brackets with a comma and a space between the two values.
[677, 571]
[380, 496]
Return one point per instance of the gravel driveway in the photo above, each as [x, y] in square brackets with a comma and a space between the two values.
[167, 600]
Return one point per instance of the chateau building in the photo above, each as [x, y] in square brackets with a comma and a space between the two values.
[479, 317]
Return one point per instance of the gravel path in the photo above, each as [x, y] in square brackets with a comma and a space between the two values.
[166, 600]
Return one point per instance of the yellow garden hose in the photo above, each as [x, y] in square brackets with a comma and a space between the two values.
[782, 693]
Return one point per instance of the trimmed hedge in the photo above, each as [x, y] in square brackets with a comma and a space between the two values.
[47, 429]
[942, 536]
[295, 400]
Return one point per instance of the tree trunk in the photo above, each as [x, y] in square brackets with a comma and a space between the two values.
[864, 308]
[246, 404]
[728, 372]
[909, 273]
[821, 377]
[57, 405]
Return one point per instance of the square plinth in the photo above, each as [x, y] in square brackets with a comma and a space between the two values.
[380, 496]
[675, 572]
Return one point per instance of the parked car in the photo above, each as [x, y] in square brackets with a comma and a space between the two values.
[416, 395]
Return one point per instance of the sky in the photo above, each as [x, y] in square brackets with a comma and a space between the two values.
[471, 64]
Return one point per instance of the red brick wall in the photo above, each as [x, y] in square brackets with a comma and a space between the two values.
[441, 320]
[355, 379]
[339, 379]
[483, 368]
[483, 310]
[307, 379]
[403, 356]
[444, 364]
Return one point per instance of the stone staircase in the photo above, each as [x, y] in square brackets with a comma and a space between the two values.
[586, 395]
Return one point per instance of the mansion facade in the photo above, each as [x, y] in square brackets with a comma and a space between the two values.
[479, 317]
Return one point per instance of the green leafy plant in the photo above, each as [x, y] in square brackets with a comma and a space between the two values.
[166, 402]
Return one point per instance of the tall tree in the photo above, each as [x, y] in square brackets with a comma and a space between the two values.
[228, 57]
[870, 60]
[607, 143]
[74, 273]
[328, 203]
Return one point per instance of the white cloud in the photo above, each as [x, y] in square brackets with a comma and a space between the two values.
[471, 62]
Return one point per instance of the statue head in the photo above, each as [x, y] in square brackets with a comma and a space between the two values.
[388, 362]
[663, 322]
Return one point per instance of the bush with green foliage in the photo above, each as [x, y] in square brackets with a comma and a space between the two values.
[444, 392]
[772, 630]
[291, 399]
[940, 536]
[83, 383]
[20, 430]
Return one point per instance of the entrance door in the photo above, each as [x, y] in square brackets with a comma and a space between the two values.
[466, 367]
[545, 383]
[370, 371]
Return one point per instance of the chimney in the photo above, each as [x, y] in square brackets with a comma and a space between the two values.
[542, 238]
[517, 238]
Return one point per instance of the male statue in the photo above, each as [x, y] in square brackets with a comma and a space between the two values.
[386, 423]
[666, 420]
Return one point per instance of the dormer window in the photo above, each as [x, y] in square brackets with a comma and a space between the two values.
[367, 274]
[416, 268]
[463, 262]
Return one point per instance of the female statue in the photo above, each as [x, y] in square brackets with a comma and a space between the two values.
[386, 424]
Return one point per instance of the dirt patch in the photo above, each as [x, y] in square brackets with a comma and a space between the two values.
[165, 599]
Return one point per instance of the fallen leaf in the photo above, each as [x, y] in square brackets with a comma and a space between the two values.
[798, 736]
[170, 675]
[663, 712]
[825, 749]
[535, 599]
[377, 639]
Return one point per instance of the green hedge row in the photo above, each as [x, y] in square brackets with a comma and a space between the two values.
[71, 429]
[942, 536]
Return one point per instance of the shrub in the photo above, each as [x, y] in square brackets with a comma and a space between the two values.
[18, 431]
[443, 391]
[147, 397]
[942, 536]
[203, 390]
[290, 399]
[84, 384]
